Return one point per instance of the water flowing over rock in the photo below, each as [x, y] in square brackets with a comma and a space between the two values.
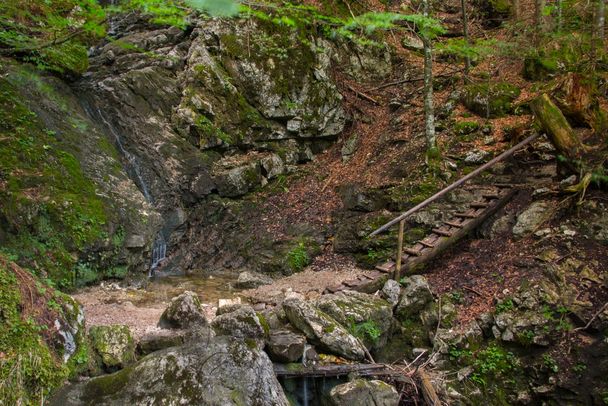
[361, 392]
[323, 329]
[221, 371]
[184, 311]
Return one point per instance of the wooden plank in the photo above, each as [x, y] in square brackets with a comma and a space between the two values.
[319, 371]
[442, 232]
[426, 244]
[490, 195]
[413, 252]
[478, 205]
[386, 267]
[465, 215]
[454, 224]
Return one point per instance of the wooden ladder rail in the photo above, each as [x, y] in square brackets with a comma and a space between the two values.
[401, 218]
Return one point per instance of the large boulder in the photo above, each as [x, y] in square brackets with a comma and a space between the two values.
[361, 392]
[285, 346]
[490, 100]
[184, 311]
[218, 371]
[323, 329]
[391, 291]
[414, 297]
[531, 218]
[114, 345]
[368, 317]
[241, 323]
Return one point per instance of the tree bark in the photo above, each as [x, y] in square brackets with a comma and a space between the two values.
[539, 18]
[516, 10]
[429, 110]
[559, 16]
[465, 30]
[557, 128]
[600, 22]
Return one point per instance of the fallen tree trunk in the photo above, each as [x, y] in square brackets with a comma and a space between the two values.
[557, 128]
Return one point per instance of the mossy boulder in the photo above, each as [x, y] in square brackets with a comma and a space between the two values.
[537, 67]
[241, 323]
[322, 329]
[114, 344]
[42, 338]
[490, 100]
[217, 371]
[366, 316]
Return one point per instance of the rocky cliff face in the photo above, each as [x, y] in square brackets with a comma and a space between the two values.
[165, 134]
[203, 116]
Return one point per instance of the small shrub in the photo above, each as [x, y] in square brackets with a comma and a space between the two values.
[298, 258]
[504, 306]
[366, 331]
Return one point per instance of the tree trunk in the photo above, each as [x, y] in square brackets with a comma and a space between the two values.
[465, 30]
[600, 22]
[557, 128]
[539, 18]
[516, 10]
[429, 110]
[559, 15]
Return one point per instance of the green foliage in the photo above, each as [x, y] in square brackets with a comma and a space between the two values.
[550, 363]
[492, 362]
[366, 331]
[297, 258]
[53, 34]
[466, 127]
[29, 367]
[505, 305]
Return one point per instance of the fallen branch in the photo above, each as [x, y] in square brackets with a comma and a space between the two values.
[362, 95]
[472, 290]
[592, 318]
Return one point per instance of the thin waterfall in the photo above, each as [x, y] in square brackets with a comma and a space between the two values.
[159, 250]
[132, 165]
[305, 379]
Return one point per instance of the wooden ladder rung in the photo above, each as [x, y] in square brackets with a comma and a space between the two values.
[442, 232]
[426, 244]
[479, 205]
[490, 195]
[453, 224]
[465, 215]
[386, 267]
[411, 251]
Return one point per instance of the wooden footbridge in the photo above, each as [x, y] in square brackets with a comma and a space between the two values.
[410, 259]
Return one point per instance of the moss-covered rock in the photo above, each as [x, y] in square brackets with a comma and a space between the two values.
[361, 392]
[538, 67]
[490, 100]
[321, 328]
[368, 317]
[184, 311]
[217, 371]
[42, 338]
[114, 344]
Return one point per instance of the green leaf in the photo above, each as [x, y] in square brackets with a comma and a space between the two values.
[216, 8]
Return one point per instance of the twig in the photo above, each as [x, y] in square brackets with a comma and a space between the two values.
[362, 95]
[472, 290]
[592, 319]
